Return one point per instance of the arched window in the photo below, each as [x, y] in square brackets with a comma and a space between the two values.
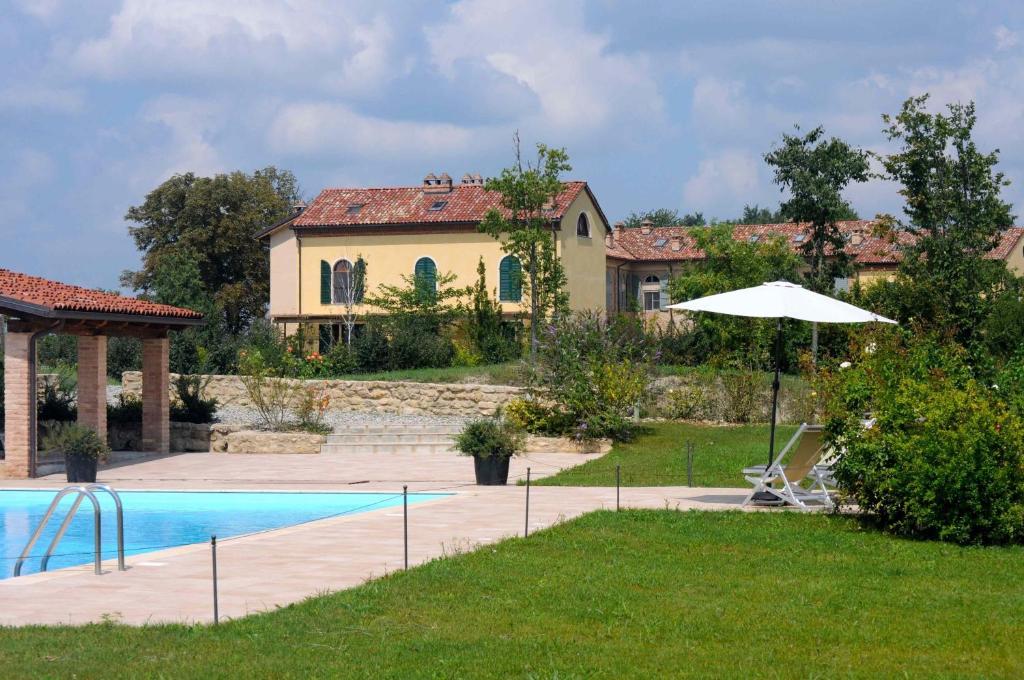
[341, 283]
[652, 291]
[583, 226]
[510, 279]
[425, 275]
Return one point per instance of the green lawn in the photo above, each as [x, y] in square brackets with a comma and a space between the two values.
[657, 457]
[635, 594]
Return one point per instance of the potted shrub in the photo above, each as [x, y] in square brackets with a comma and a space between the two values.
[82, 448]
[491, 442]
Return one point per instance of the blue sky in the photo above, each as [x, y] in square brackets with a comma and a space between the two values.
[660, 104]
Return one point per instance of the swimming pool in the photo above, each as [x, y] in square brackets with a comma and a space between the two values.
[154, 520]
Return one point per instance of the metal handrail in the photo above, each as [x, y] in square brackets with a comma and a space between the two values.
[82, 492]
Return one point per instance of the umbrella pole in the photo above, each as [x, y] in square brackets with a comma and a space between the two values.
[767, 496]
[775, 390]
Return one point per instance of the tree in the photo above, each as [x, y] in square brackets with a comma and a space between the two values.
[815, 171]
[730, 264]
[211, 221]
[526, 231]
[351, 286]
[954, 208]
[755, 214]
[493, 338]
[661, 217]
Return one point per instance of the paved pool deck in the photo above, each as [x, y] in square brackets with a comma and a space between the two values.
[276, 568]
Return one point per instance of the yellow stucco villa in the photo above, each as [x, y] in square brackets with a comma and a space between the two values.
[426, 230]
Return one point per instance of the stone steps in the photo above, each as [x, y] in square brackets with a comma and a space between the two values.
[392, 438]
[384, 449]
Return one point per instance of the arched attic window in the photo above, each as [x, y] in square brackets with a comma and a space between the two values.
[583, 226]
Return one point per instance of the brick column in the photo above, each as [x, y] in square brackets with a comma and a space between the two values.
[92, 383]
[156, 417]
[19, 404]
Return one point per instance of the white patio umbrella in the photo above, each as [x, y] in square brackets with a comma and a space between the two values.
[780, 300]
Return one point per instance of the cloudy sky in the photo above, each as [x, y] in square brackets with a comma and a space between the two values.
[660, 104]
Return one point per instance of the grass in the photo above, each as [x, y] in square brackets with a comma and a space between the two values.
[635, 594]
[493, 374]
[657, 457]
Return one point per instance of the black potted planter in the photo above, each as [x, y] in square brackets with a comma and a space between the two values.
[80, 468]
[491, 470]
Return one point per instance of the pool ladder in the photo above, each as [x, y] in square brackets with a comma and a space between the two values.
[81, 492]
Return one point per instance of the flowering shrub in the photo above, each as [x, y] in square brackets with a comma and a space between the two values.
[944, 457]
[593, 374]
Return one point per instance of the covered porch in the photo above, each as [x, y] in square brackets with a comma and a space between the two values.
[34, 307]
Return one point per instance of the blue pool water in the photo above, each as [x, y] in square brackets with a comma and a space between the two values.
[154, 520]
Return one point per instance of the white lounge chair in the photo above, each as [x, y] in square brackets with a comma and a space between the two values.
[797, 481]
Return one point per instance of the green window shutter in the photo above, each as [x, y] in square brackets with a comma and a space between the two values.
[325, 282]
[426, 276]
[663, 302]
[510, 275]
[359, 281]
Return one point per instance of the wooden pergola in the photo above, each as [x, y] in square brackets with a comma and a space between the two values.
[35, 307]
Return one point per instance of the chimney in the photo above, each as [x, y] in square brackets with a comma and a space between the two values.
[646, 226]
[440, 184]
[856, 238]
[676, 243]
[472, 179]
[298, 206]
[609, 239]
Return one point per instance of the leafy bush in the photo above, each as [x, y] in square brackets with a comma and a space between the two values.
[76, 440]
[371, 348]
[745, 394]
[123, 354]
[127, 409]
[593, 373]
[489, 437]
[311, 404]
[944, 457]
[691, 399]
[531, 416]
[417, 342]
[269, 392]
[57, 402]
[189, 405]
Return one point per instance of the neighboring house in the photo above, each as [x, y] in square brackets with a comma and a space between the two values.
[425, 231]
[641, 261]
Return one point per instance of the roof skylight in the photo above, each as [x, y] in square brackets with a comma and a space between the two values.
[438, 205]
[354, 208]
[660, 243]
[754, 238]
[799, 238]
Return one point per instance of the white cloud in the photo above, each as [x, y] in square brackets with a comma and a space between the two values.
[40, 9]
[581, 85]
[40, 98]
[321, 129]
[719, 106]
[343, 45]
[191, 122]
[724, 180]
[1005, 38]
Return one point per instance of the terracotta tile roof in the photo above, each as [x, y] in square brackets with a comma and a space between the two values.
[1008, 240]
[864, 247]
[56, 296]
[411, 205]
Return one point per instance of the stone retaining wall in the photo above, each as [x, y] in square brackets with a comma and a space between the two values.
[184, 437]
[370, 396]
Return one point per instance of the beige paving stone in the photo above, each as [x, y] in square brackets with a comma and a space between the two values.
[275, 568]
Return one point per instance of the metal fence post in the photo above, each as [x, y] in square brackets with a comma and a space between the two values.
[213, 552]
[618, 482]
[405, 522]
[689, 463]
[526, 526]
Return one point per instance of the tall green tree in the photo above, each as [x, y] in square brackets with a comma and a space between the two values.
[660, 217]
[730, 264]
[955, 209]
[815, 171]
[212, 222]
[756, 214]
[525, 228]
